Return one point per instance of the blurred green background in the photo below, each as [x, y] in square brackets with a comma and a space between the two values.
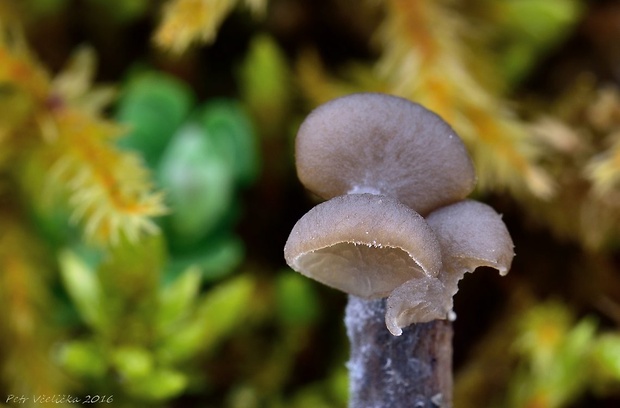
[147, 187]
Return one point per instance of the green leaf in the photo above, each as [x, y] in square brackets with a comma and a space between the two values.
[296, 299]
[540, 21]
[339, 385]
[570, 374]
[177, 298]
[529, 27]
[159, 385]
[198, 182]
[606, 354]
[84, 289]
[230, 128]
[130, 276]
[222, 310]
[266, 83]
[154, 105]
[132, 362]
[216, 258]
[221, 258]
[143, 259]
[83, 358]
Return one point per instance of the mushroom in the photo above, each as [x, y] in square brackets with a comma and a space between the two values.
[470, 234]
[395, 226]
[373, 246]
[382, 144]
[363, 244]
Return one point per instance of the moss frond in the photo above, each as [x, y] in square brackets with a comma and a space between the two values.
[19, 68]
[318, 85]
[27, 332]
[188, 21]
[74, 85]
[110, 191]
[426, 58]
[581, 134]
[505, 154]
[258, 7]
[604, 169]
[24, 87]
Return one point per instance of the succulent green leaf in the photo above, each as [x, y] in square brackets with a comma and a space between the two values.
[531, 27]
[606, 354]
[541, 21]
[144, 258]
[130, 278]
[231, 130]
[83, 358]
[570, 374]
[266, 83]
[132, 362]
[198, 182]
[84, 289]
[153, 105]
[158, 385]
[221, 311]
[216, 258]
[297, 301]
[221, 258]
[176, 299]
[339, 385]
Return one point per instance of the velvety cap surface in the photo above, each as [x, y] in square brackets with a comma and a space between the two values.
[471, 234]
[382, 144]
[418, 300]
[363, 244]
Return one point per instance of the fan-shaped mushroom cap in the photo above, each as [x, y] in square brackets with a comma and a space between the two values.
[382, 144]
[418, 300]
[471, 234]
[363, 244]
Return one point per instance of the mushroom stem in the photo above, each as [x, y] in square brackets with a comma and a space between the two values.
[412, 370]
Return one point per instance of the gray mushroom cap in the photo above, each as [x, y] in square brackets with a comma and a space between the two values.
[363, 244]
[382, 144]
[471, 234]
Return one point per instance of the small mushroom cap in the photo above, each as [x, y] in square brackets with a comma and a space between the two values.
[383, 144]
[418, 300]
[471, 234]
[363, 244]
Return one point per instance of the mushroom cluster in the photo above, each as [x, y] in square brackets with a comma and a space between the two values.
[396, 222]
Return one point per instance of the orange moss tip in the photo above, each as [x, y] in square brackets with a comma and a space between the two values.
[19, 67]
[110, 190]
[604, 170]
[187, 21]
